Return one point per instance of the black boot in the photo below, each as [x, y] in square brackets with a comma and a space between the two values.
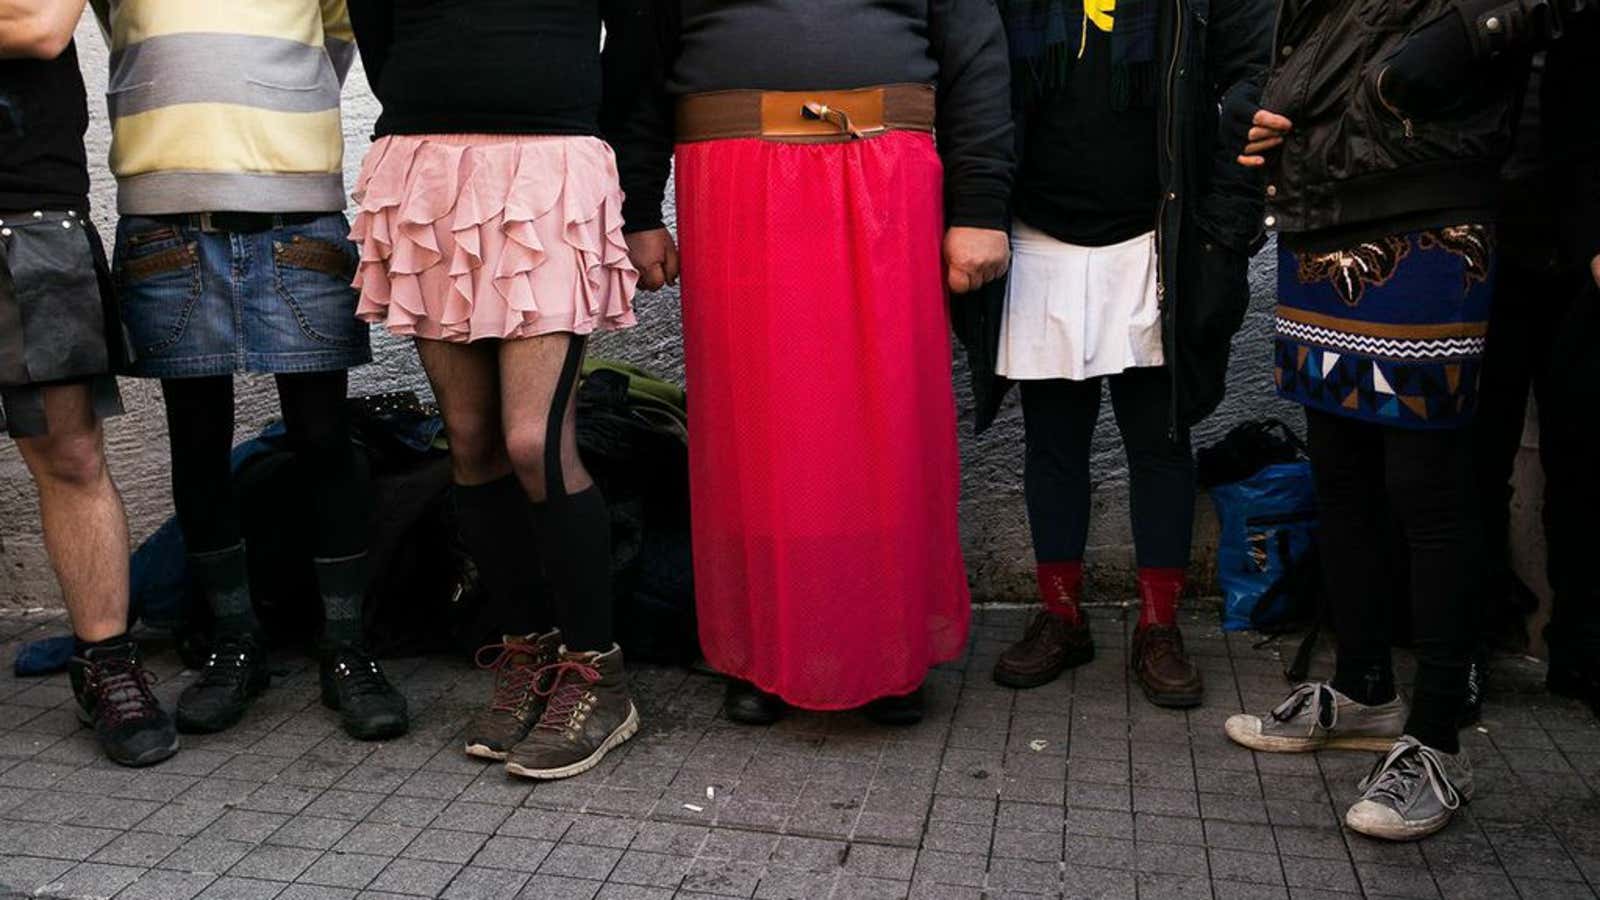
[234, 675]
[901, 711]
[749, 705]
[113, 692]
[370, 709]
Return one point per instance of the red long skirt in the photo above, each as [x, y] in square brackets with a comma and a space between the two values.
[824, 470]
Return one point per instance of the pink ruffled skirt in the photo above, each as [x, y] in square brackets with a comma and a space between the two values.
[467, 237]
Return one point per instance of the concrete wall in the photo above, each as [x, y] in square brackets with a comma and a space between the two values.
[993, 521]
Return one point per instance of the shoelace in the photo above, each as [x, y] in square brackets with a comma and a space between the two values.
[228, 662]
[360, 672]
[565, 693]
[1316, 694]
[122, 690]
[1406, 761]
[513, 680]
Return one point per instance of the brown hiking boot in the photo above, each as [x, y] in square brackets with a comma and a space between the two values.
[518, 701]
[1164, 671]
[1050, 646]
[589, 713]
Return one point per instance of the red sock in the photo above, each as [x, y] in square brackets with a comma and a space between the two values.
[1060, 586]
[1159, 590]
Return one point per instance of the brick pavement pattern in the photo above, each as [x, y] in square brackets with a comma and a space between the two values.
[1078, 789]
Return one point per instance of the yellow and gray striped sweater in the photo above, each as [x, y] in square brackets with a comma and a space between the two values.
[219, 106]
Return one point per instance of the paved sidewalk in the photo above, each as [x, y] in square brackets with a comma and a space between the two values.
[1079, 789]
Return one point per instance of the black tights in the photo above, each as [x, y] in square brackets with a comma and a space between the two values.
[201, 424]
[1371, 478]
[1060, 416]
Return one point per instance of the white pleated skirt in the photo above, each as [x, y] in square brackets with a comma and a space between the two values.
[1079, 312]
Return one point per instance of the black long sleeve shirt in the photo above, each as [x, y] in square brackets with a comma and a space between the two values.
[493, 66]
[709, 45]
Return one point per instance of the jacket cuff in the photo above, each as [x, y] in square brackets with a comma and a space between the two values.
[641, 215]
[965, 208]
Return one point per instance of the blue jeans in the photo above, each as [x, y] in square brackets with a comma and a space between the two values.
[200, 303]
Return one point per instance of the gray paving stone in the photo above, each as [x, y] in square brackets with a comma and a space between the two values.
[165, 884]
[273, 863]
[520, 854]
[416, 877]
[25, 874]
[555, 887]
[723, 877]
[310, 832]
[479, 883]
[344, 870]
[230, 888]
[580, 861]
[314, 892]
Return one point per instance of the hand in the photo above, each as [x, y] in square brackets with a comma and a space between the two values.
[1594, 269]
[655, 255]
[1267, 131]
[973, 257]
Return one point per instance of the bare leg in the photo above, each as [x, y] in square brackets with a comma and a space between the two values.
[531, 372]
[85, 529]
[539, 379]
[466, 383]
[495, 517]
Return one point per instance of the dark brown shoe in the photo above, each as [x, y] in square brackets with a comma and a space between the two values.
[589, 714]
[1165, 672]
[1050, 646]
[518, 701]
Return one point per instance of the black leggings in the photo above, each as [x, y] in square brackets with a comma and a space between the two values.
[1370, 480]
[1060, 416]
[200, 424]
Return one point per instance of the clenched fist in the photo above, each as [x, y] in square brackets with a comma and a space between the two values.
[655, 255]
[973, 257]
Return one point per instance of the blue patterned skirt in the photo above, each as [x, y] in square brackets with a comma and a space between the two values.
[1390, 331]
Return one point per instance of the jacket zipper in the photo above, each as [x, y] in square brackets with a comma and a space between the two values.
[1377, 89]
[1161, 216]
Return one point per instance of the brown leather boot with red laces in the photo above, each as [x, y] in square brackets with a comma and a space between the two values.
[519, 692]
[589, 714]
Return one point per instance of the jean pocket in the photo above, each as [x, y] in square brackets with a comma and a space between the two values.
[158, 273]
[312, 275]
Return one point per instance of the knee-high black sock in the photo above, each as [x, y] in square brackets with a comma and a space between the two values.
[574, 539]
[496, 521]
[224, 576]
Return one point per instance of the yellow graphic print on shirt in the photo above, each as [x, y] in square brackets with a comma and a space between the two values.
[1100, 12]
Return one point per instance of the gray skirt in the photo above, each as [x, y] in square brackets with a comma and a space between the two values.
[59, 323]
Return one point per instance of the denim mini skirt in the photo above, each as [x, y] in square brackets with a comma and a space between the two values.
[199, 302]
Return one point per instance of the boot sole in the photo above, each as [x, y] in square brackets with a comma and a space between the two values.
[1172, 699]
[624, 731]
[381, 732]
[148, 758]
[1267, 743]
[484, 751]
[189, 725]
[1025, 680]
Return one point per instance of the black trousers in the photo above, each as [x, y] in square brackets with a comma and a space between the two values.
[1545, 325]
[1060, 418]
[1370, 479]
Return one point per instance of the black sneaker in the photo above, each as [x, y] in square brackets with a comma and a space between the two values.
[234, 675]
[370, 709]
[749, 705]
[114, 698]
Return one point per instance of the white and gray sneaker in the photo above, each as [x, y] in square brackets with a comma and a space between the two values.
[1316, 717]
[1412, 792]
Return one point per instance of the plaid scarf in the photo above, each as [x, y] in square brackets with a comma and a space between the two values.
[1047, 38]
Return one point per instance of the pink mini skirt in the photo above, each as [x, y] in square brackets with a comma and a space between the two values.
[467, 237]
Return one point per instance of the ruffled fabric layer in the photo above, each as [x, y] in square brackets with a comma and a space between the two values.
[467, 237]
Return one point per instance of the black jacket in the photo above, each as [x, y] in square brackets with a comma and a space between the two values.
[1357, 163]
[1213, 55]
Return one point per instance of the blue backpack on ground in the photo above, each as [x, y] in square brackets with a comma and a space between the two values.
[1260, 483]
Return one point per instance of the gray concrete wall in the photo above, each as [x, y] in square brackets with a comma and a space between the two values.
[993, 521]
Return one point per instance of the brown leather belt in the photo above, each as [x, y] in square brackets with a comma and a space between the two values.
[805, 116]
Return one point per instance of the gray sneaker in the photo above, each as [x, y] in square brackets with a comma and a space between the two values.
[1412, 792]
[1317, 717]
